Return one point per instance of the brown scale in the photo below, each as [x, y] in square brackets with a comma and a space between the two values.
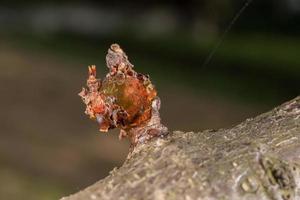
[124, 99]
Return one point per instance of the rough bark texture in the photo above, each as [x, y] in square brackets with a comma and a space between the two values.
[257, 159]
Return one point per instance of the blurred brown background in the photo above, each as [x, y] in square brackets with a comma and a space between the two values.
[49, 148]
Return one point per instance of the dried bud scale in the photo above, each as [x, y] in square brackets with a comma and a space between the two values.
[124, 99]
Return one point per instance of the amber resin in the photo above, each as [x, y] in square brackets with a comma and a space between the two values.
[124, 99]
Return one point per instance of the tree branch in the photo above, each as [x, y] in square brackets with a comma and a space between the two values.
[257, 159]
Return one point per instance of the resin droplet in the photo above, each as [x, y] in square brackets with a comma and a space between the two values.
[124, 99]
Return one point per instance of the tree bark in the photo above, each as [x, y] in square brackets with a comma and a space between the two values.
[257, 159]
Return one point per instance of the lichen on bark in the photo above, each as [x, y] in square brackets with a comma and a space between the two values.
[257, 159]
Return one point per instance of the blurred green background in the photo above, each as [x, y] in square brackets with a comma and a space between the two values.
[49, 148]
